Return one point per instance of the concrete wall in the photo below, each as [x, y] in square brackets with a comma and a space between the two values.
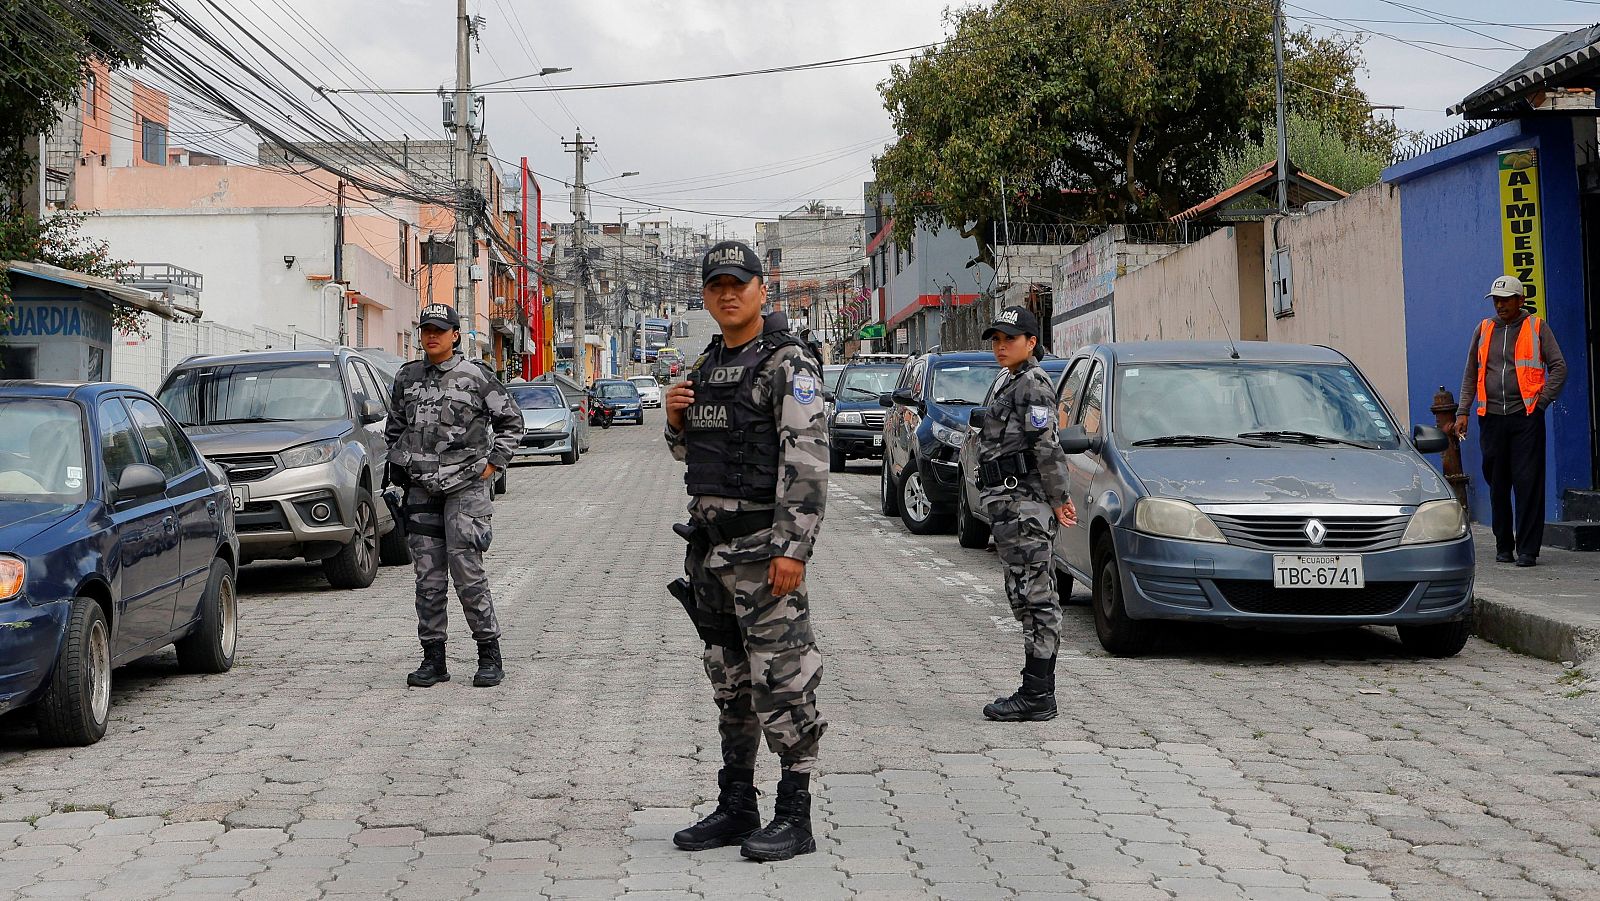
[1211, 289]
[1083, 285]
[1346, 286]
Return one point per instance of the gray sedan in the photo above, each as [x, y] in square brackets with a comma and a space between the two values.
[552, 427]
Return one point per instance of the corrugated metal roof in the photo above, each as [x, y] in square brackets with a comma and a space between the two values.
[1557, 59]
[113, 290]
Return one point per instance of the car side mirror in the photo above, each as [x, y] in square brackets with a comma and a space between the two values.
[1075, 440]
[140, 480]
[1429, 440]
[372, 411]
[905, 397]
[828, 396]
[977, 417]
[886, 400]
[576, 408]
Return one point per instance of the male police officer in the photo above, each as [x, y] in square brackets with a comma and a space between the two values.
[453, 426]
[749, 423]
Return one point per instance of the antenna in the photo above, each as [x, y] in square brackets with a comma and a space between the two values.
[1233, 350]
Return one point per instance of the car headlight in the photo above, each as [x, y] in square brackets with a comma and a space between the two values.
[310, 454]
[1171, 518]
[850, 417]
[1436, 521]
[952, 437]
[13, 572]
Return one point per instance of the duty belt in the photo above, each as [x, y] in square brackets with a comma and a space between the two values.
[1005, 471]
[726, 528]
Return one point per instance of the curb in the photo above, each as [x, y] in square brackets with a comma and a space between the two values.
[1530, 627]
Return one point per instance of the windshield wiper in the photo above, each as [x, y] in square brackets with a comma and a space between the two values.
[956, 401]
[1172, 440]
[859, 390]
[238, 419]
[1305, 438]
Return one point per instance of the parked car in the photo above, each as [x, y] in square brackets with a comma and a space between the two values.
[855, 420]
[119, 540]
[623, 399]
[649, 389]
[923, 432]
[830, 375]
[300, 433]
[1263, 484]
[551, 426]
[972, 521]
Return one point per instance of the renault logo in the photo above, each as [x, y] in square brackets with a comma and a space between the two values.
[1316, 531]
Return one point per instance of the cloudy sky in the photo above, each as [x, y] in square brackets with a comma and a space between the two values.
[745, 148]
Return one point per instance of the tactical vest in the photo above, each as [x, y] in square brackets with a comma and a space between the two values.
[732, 441]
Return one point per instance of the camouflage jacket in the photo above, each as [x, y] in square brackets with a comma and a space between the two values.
[802, 465]
[1021, 419]
[448, 420]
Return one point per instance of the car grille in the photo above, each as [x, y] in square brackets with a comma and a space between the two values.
[259, 516]
[542, 439]
[1377, 599]
[247, 467]
[1288, 533]
[873, 419]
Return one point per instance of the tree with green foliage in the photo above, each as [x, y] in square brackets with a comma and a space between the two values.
[1315, 148]
[59, 241]
[1108, 112]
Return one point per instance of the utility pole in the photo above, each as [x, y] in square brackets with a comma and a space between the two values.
[338, 257]
[580, 149]
[1283, 110]
[463, 170]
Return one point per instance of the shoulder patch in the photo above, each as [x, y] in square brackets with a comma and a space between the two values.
[1038, 417]
[805, 388]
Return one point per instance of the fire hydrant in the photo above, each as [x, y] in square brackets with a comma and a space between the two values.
[1444, 414]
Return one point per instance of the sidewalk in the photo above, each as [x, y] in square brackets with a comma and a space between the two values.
[1551, 610]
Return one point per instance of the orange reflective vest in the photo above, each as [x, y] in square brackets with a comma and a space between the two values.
[1526, 357]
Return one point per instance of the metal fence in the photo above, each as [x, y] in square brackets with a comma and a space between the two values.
[1074, 233]
[144, 362]
[1429, 143]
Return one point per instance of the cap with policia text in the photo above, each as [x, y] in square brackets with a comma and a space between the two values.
[440, 315]
[1507, 286]
[1013, 321]
[733, 258]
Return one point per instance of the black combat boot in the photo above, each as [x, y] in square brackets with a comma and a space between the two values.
[734, 819]
[789, 833]
[1035, 700]
[433, 669]
[489, 672]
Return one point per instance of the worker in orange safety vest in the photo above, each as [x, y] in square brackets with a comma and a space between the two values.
[1514, 371]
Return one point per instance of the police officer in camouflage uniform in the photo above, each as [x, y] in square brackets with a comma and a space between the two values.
[453, 426]
[749, 423]
[1022, 481]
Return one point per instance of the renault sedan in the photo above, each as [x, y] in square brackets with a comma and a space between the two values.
[1255, 485]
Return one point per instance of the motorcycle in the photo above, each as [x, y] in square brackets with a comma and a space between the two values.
[600, 412]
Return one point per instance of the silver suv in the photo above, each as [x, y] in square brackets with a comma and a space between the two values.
[300, 433]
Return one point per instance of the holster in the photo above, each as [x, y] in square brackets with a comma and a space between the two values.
[394, 497]
[994, 473]
[720, 631]
[417, 526]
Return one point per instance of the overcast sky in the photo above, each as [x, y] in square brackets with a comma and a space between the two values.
[755, 146]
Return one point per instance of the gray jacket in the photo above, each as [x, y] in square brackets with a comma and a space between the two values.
[1503, 394]
[448, 421]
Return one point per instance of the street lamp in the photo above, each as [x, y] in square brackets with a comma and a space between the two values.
[551, 70]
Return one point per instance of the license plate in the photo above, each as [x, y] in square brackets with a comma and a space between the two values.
[1317, 571]
[241, 496]
[877, 441]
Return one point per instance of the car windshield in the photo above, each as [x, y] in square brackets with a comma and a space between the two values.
[867, 382]
[622, 390]
[537, 398]
[1272, 404]
[41, 452]
[962, 383]
[645, 383]
[255, 392]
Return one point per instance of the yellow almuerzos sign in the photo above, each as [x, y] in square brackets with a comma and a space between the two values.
[1520, 235]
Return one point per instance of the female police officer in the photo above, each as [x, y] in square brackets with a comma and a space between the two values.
[1022, 480]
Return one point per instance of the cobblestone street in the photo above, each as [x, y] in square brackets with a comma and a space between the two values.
[1229, 765]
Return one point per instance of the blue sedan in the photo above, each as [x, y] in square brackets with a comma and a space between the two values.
[116, 540]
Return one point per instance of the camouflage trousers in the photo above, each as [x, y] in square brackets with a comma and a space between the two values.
[1022, 529]
[447, 534]
[766, 686]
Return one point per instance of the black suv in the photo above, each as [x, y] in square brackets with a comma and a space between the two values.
[855, 421]
[923, 433]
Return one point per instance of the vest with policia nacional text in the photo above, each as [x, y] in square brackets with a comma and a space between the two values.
[732, 441]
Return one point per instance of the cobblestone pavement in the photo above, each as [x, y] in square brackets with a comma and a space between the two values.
[1229, 765]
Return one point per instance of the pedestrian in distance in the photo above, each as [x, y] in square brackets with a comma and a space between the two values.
[1515, 370]
[749, 421]
[453, 426]
[1022, 483]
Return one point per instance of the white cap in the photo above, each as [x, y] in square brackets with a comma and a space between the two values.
[1507, 286]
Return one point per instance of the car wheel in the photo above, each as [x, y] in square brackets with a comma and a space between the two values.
[971, 532]
[916, 507]
[1438, 640]
[569, 457]
[1118, 634]
[356, 564]
[1064, 585]
[77, 701]
[835, 460]
[209, 648]
[888, 492]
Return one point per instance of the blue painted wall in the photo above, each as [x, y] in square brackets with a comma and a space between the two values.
[1450, 252]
